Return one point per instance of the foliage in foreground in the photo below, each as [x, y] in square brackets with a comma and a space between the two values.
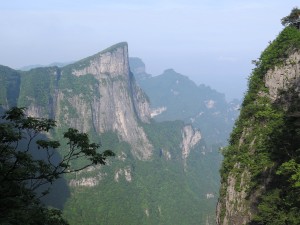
[29, 161]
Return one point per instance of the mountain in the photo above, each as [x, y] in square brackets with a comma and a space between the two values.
[29, 67]
[175, 97]
[161, 174]
[261, 168]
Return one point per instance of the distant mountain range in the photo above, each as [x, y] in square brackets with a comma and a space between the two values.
[58, 64]
[175, 97]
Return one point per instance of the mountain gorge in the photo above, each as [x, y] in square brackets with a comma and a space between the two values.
[174, 96]
[260, 172]
[161, 174]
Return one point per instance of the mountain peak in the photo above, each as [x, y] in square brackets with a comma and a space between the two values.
[169, 71]
[112, 60]
[115, 47]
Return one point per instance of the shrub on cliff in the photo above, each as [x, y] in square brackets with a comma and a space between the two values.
[292, 19]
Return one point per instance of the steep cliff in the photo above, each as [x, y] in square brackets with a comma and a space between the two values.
[118, 104]
[190, 138]
[260, 172]
[96, 94]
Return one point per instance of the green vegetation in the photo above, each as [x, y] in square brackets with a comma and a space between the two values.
[292, 19]
[167, 134]
[266, 141]
[9, 86]
[86, 86]
[160, 190]
[28, 162]
[282, 199]
[37, 87]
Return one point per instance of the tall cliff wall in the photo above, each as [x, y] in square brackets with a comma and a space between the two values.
[96, 94]
[118, 104]
[256, 189]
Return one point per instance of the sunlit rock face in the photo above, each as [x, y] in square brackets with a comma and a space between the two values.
[102, 92]
[284, 77]
[121, 103]
[190, 137]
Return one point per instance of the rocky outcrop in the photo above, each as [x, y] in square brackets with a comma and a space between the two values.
[284, 77]
[167, 155]
[190, 137]
[88, 181]
[34, 110]
[126, 172]
[236, 207]
[85, 182]
[157, 111]
[112, 61]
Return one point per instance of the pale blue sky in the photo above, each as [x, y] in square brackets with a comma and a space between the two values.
[212, 42]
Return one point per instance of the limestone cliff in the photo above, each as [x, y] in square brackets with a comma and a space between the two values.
[96, 94]
[283, 78]
[254, 178]
[119, 102]
[190, 137]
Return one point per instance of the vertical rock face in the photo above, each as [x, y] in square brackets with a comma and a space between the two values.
[190, 138]
[99, 94]
[237, 210]
[282, 78]
[237, 205]
[112, 61]
[121, 103]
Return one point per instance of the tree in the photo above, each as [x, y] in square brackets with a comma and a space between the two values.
[292, 19]
[21, 174]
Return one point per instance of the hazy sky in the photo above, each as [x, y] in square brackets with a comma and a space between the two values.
[212, 42]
